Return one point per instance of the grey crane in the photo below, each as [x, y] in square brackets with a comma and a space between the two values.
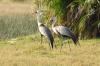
[44, 31]
[62, 31]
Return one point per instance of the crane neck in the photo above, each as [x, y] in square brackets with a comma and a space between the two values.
[39, 20]
[53, 20]
[53, 24]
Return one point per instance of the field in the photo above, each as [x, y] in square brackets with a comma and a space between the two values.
[27, 51]
[20, 45]
[16, 19]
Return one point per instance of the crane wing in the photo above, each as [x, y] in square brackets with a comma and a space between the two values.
[46, 32]
[64, 31]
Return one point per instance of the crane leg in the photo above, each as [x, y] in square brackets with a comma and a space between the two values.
[55, 45]
[69, 46]
[41, 38]
[61, 43]
[50, 46]
[79, 44]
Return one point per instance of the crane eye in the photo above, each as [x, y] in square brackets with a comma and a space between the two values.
[51, 20]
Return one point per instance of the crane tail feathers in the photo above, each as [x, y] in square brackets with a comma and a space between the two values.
[51, 40]
[75, 39]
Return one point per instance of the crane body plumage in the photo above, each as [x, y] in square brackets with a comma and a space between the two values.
[47, 33]
[63, 31]
[44, 31]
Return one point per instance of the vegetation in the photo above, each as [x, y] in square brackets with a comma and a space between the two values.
[12, 26]
[83, 20]
[16, 20]
[27, 51]
[82, 16]
[19, 1]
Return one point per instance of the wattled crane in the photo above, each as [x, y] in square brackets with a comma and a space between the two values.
[62, 31]
[44, 31]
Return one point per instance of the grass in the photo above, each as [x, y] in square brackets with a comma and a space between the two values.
[15, 8]
[16, 25]
[27, 51]
[18, 1]
[16, 19]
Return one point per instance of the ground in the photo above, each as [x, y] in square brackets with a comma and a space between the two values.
[27, 51]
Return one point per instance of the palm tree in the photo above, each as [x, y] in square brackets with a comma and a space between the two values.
[81, 16]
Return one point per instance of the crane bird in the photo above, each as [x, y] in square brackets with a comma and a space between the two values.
[44, 31]
[62, 31]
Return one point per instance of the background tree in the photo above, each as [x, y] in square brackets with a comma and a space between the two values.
[81, 16]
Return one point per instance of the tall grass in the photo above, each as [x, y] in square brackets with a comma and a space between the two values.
[15, 25]
[19, 1]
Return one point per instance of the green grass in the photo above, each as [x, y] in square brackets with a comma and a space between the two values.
[16, 25]
[27, 51]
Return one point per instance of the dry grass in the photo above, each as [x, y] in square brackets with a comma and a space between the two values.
[27, 51]
[15, 8]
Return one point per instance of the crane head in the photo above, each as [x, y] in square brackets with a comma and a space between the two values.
[39, 12]
[53, 19]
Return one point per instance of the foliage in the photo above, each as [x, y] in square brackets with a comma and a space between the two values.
[79, 15]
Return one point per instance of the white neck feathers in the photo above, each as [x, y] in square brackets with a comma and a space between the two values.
[39, 20]
[54, 21]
